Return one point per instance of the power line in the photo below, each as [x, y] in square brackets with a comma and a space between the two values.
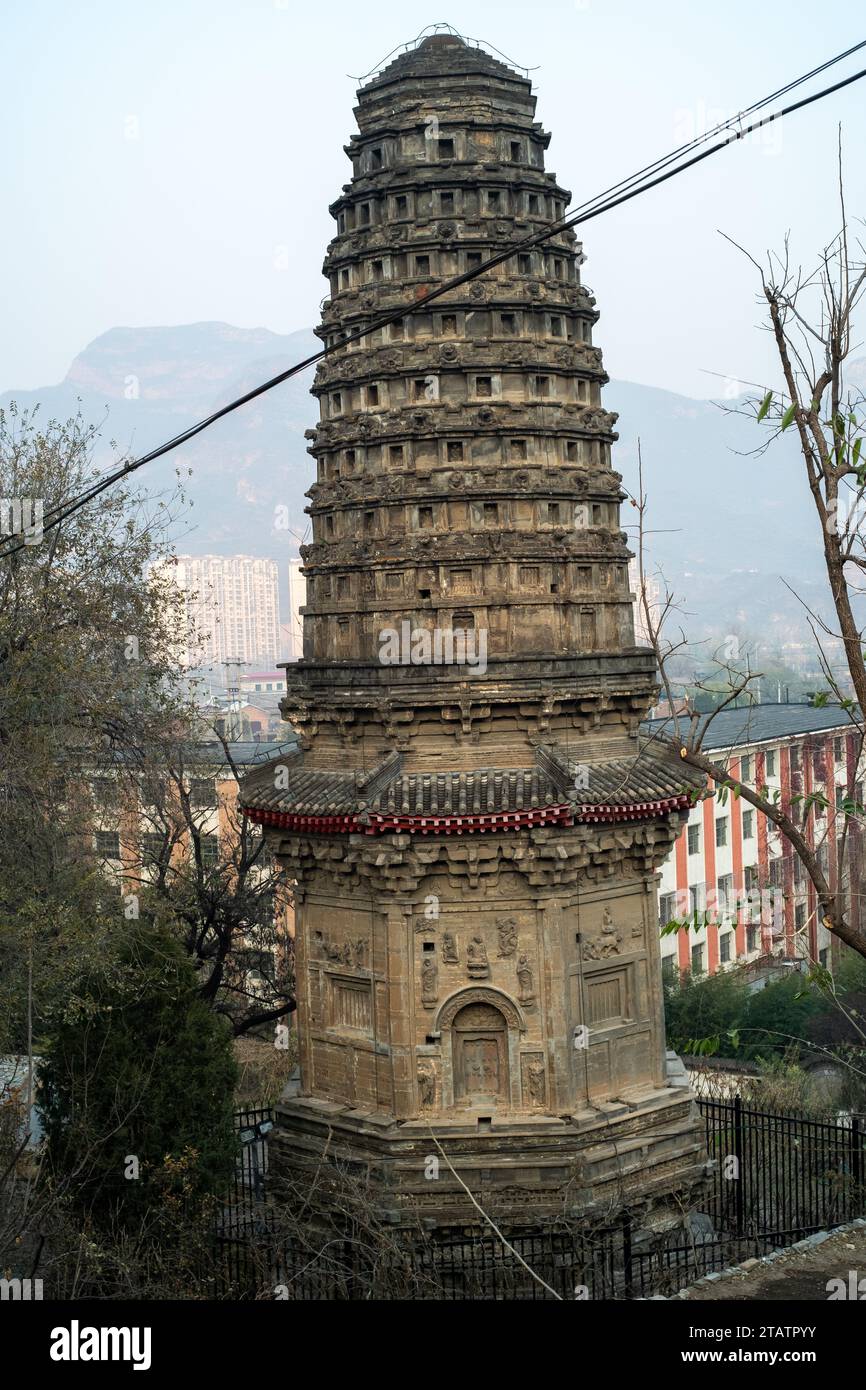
[613, 197]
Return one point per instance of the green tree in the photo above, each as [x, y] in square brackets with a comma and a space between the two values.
[775, 1019]
[704, 1008]
[138, 1079]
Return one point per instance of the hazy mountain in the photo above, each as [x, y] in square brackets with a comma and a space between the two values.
[726, 525]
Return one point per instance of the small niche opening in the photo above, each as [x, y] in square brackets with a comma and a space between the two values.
[485, 1119]
[429, 946]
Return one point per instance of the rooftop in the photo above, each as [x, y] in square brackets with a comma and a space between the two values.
[733, 728]
[442, 54]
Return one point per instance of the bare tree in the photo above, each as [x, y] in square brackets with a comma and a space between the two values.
[810, 317]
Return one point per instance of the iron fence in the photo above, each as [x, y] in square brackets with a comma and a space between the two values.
[774, 1178]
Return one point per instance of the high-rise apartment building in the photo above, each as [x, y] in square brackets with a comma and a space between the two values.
[232, 609]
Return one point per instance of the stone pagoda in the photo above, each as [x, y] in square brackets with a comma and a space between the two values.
[470, 821]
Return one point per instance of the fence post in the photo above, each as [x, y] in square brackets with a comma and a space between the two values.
[739, 1154]
[857, 1160]
[628, 1271]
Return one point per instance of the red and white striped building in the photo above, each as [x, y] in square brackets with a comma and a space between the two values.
[728, 851]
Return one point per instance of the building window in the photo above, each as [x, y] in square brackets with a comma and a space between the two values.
[400, 205]
[515, 151]
[667, 908]
[108, 844]
[454, 451]
[698, 958]
[372, 395]
[799, 916]
[483, 386]
[694, 845]
[697, 899]
[376, 159]
[770, 762]
[524, 264]
[105, 791]
[542, 386]
[395, 454]
[721, 831]
[794, 759]
[445, 148]
[752, 937]
[553, 513]
[556, 327]
[446, 202]
[425, 516]
[209, 850]
[153, 847]
[748, 825]
[571, 452]
[725, 888]
[746, 769]
[508, 323]
[838, 749]
[422, 265]
[824, 958]
[202, 792]
[725, 947]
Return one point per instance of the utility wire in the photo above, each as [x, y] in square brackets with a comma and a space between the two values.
[623, 192]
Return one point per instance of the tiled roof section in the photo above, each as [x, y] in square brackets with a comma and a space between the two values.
[653, 774]
[734, 728]
[484, 791]
[554, 789]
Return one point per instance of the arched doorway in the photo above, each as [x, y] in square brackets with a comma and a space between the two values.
[480, 1055]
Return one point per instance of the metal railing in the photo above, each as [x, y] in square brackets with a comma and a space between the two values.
[774, 1178]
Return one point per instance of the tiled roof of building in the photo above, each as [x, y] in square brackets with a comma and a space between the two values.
[613, 789]
[734, 728]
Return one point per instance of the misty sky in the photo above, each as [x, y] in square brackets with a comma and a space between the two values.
[173, 162]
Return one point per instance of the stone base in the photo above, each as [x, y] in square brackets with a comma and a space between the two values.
[644, 1154]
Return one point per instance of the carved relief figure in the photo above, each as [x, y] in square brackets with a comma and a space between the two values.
[608, 944]
[429, 982]
[426, 1083]
[476, 959]
[507, 929]
[537, 1082]
[449, 949]
[524, 980]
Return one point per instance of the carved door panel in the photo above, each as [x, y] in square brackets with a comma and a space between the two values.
[481, 1073]
[480, 1055]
